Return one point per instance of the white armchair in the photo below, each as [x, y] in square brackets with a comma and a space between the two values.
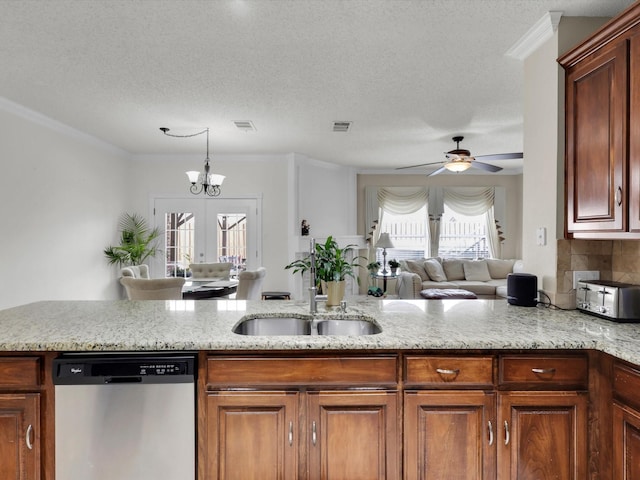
[135, 271]
[153, 289]
[250, 284]
[210, 271]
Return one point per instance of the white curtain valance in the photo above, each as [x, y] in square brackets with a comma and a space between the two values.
[402, 200]
[470, 201]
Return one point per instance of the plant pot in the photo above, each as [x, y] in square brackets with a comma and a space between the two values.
[334, 291]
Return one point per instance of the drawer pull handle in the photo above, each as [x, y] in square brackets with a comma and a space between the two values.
[28, 437]
[448, 371]
[290, 434]
[314, 436]
[544, 371]
[506, 432]
[490, 433]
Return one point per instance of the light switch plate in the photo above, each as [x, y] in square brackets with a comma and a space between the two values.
[584, 275]
[541, 236]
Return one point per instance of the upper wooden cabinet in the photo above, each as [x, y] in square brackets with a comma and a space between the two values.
[602, 112]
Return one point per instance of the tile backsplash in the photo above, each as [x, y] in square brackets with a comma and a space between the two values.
[617, 260]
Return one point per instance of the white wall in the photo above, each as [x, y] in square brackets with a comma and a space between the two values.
[543, 171]
[61, 193]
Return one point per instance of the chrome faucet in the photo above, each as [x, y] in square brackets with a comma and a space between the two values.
[313, 289]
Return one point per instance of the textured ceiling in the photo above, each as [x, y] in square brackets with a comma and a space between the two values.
[408, 74]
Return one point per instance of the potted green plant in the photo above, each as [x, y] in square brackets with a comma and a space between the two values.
[333, 266]
[137, 242]
[393, 266]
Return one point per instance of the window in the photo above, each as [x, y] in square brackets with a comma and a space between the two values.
[232, 238]
[462, 235]
[408, 233]
[178, 244]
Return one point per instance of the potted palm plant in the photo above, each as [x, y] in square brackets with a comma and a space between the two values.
[333, 266]
[137, 242]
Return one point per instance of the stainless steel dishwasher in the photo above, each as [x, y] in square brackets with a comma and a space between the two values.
[125, 416]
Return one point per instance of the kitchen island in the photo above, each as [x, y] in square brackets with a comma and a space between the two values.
[406, 325]
[479, 378]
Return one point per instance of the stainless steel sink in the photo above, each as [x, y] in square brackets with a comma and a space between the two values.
[305, 326]
[347, 327]
[274, 326]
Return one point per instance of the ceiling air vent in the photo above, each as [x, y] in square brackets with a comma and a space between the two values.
[341, 126]
[244, 125]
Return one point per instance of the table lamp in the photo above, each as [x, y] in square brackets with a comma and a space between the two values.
[384, 242]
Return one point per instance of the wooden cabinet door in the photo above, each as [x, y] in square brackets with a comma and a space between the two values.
[634, 134]
[252, 436]
[353, 435]
[626, 443]
[596, 132]
[20, 436]
[543, 435]
[449, 435]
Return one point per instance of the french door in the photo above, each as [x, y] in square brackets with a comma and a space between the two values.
[206, 230]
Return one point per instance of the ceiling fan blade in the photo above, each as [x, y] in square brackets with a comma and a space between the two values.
[486, 166]
[501, 156]
[419, 165]
[436, 172]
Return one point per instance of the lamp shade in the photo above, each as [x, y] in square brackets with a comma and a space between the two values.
[384, 241]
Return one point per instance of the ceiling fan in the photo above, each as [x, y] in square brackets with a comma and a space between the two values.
[458, 160]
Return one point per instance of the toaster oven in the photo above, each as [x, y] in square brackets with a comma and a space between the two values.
[611, 300]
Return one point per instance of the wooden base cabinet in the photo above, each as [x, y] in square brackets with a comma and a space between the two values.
[305, 417]
[353, 435]
[626, 445]
[449, 434]
[543, 435]
[19, 437]
[252, 435]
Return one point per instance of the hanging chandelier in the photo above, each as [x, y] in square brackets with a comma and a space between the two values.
[206, 182]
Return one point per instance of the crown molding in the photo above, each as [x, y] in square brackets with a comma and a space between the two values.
[541, 31]
[59, 127]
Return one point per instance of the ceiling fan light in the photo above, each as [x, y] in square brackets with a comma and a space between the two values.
[457, 166]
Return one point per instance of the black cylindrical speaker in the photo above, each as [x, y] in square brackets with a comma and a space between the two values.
[522, 289]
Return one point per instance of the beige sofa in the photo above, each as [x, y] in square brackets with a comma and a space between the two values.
[485, 278]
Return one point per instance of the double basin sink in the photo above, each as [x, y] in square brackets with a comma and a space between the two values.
[305, 326]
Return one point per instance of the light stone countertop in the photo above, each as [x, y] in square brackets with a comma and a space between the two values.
[406, 325]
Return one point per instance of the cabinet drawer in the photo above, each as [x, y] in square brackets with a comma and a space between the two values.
[626, 384]
[544, 371]
[344, 372]
[448, 372]
[19, 372]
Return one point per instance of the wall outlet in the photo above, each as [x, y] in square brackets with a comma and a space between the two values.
[541, 236]
[584, 275]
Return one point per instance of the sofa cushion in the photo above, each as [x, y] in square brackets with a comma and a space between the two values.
[453, 268]
[477, 271]
[479, 288]
[431, 284]
[417, 267]
[499, 268]
[434, 270]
